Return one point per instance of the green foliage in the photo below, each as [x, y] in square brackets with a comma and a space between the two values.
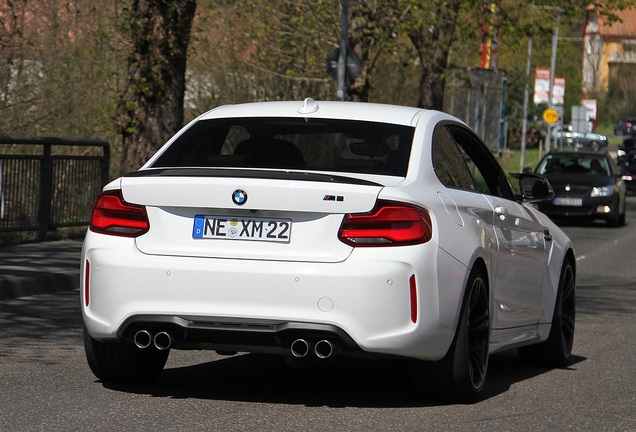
[70, 65]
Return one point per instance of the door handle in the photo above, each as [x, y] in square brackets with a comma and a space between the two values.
[501, 212]
[546, 235]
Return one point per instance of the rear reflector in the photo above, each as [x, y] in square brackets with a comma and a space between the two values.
[114, 216]
[413, 288]
[87, 275]
[389, 224]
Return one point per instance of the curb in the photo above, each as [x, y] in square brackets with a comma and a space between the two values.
[42, 283]
[39, 268]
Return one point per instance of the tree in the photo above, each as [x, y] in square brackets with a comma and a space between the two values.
[60, 60]
[432, 30]
[150, 110]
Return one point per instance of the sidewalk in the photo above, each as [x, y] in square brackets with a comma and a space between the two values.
[39, 268]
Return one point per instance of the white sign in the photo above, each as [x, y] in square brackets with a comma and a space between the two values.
[542, 88]
[592, 107]
[558, 91]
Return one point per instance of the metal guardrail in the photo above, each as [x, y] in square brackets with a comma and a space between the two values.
[46, 191]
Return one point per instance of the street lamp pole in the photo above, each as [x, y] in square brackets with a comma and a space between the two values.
[342, 58]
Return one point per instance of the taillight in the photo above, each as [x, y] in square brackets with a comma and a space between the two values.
[112, 215]
[389, 224]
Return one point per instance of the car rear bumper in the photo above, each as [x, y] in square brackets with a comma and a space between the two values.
[227, 334]
[363, 303]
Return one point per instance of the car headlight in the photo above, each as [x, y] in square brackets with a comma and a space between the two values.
[601, 191]
[620, 152]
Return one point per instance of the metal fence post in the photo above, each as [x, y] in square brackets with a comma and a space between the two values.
[46, 189]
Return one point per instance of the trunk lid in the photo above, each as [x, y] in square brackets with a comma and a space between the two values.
[303, 214]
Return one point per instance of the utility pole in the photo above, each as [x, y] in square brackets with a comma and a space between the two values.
[555, 41]
[524, 128]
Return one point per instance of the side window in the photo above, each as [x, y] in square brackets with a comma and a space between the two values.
[449, 163]
[489, 178]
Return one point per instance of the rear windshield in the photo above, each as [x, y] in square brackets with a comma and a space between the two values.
[303, 144]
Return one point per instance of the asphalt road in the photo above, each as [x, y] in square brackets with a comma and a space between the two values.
[46, 385]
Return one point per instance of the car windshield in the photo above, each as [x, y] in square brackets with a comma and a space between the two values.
[575, 164]
[293, 143]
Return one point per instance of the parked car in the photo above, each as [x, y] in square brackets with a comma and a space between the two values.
[625, 126]
[628, 170]
[587, 185]
[565, 136]
[316, 229]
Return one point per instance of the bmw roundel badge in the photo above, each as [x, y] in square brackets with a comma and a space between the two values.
[239, 197]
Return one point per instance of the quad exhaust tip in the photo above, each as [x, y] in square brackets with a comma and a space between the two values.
[162, 341]
[143, 339]
[300, 348]
[323, 349]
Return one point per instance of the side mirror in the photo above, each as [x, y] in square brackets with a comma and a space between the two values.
[533, 187]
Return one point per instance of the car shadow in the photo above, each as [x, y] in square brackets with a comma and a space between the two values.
[592, 223]
[334, 383]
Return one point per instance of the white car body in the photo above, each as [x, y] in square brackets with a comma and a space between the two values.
[397, 300]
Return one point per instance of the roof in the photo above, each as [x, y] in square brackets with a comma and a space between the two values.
[373, 112]
[625, 29]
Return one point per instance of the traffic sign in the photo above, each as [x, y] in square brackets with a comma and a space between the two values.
[550, 116]
[352, 66]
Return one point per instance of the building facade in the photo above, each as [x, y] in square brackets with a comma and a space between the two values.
[609, 49]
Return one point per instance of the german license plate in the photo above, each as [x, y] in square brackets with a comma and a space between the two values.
[240, 228]
[572, 202]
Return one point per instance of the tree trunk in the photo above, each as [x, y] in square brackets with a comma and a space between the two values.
[151, 109]
[433, 45]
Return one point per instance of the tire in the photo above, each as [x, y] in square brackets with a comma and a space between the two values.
[122, 362]
[614, 220]
[461, 374]
[595, 146]
[618, 218]
[622, 220]
[557, 349]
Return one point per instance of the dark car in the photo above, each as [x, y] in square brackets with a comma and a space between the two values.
[628, 169]
[625, 126]
[587, 185]
[628, 145]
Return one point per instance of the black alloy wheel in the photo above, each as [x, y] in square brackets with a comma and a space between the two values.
[466, 363]
[459, 377]
[478, 326]
[557, 349]
[567, 312]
